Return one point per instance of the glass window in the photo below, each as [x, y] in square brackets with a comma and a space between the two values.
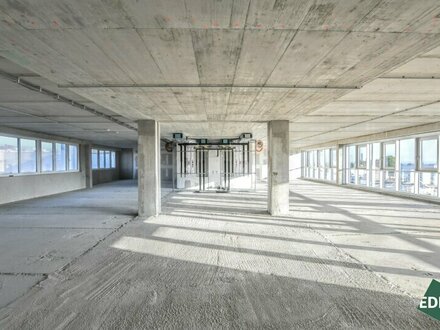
[408, 155]
[333, 158]
[389, 155]
[327, 157]
[407, 165]
[362, 156]
[428, 183]
[321, 158]
[28, 156]
[73, 158]
[351, 164]
[107, 159]
[428, 153]
[362, 177]
[95, 164]
[46, 157]
[60, 157]
[375, 165]
[351, 151]
[101, 159]
[375, 156]
[113, 159]
[8, 155]
[389, 181]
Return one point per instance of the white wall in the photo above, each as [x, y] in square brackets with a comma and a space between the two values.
[22, 187]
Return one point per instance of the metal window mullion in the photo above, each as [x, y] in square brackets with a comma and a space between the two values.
[67, 157]
[369, 167]
[54, 151]
[19, 155]
[38, 155]
[438, 168]
[397, 165]
[416, 182]
[66, 148]
[248, 158]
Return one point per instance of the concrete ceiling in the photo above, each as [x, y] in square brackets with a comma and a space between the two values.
[24, 107]
[206, 67]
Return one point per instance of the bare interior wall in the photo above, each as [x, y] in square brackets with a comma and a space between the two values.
[20, 187]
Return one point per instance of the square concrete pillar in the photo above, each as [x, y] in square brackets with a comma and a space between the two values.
[86, 164]
[278, 171]
[149, 168]
[340, 175]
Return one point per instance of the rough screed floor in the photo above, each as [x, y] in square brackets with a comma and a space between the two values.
[343, 258]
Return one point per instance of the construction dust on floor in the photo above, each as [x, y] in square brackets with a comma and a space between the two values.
[220, 261]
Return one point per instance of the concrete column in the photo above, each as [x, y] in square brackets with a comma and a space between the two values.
[340, 164]
[278, 171]
[86, 165]
[149, 167]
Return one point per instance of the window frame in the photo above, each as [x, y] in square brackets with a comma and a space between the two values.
[68, 157]
[347, 158]
[333, 158]
[372, 156]
[107, 159]
[56, 170]
[97, 158]
[39, 156]
[112, 159]
[327, 153]
[416, 156]
[17, 139]
[384, 158]
[419, 152]
[106, 155]
[358, 147]
[20, 156]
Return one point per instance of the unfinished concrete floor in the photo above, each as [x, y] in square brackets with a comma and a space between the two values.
[342, 259]
[41, 236]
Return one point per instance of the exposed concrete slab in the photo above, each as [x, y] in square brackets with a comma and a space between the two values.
[219, 260]
[220, 61]
[40, 236]
[14, 286]
[44, 250]
[395, 237]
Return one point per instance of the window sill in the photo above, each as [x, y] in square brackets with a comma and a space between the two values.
[36, 173]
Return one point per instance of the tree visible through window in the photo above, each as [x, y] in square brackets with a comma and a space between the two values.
[389, 155]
